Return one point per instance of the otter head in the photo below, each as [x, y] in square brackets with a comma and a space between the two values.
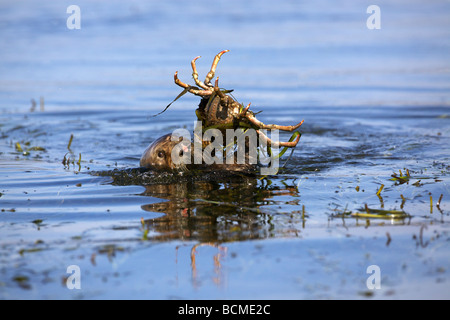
[158, 154]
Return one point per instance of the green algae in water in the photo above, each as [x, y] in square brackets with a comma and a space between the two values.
[380, 214]
[22, 251]
[26, 151]
[367, 212]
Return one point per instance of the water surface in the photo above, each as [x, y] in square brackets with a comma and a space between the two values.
[375, 102]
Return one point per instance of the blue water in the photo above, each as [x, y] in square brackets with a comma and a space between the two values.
[374, 102]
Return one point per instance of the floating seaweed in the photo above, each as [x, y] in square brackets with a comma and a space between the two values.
[26, 151]
[401, 178]
[367, 212]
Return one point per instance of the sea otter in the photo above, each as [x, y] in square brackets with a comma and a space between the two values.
[158, 154]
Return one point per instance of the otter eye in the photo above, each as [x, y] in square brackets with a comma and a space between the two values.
[181, 153]
[161, 154]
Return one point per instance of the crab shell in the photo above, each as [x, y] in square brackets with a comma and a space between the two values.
[218, 112]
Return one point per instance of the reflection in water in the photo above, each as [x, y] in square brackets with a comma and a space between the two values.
[210, 211]
[218, 275]
[225, 209]
[215, 206]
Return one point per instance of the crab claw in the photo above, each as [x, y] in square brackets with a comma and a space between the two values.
[195, 75]
[211, 72]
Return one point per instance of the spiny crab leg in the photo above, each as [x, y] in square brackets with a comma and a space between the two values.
[190, 88]
[266, 139]
[261, 125]
[195, 75]
[211, 73]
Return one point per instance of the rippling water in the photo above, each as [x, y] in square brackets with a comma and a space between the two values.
[375, 102]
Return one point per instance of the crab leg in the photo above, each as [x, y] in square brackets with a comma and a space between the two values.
[244, 111]
[289, 144]
[217, 89]
[195, 75]
[189, 88]
[211, 73]
[261, 125]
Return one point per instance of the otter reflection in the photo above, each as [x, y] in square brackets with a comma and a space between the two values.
[212, 211]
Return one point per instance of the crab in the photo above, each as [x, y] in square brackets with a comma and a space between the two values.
[218, 109]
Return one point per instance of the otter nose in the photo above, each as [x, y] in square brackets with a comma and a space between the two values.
[185, 148]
